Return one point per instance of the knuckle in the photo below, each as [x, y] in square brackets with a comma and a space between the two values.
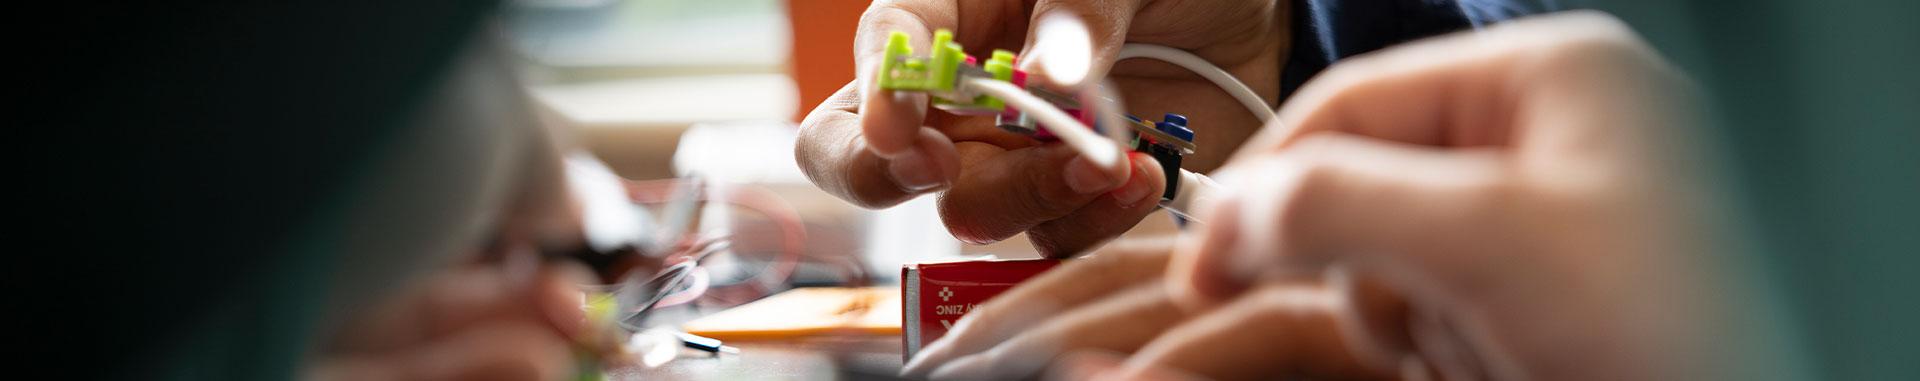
[838, 162]
[972, 224]
[1053, 244]
[1048, 197]
[1043, 175]
[1052, 199]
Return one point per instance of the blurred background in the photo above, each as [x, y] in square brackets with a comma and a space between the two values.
[160, 172]
[1810, 113]
[1810, 100]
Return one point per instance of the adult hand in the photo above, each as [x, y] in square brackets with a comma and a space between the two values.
[877, 148]
[1521, 187]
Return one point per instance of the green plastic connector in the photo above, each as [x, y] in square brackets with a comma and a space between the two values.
[944, 66]
[1001, 66]
[939, 72]
[900, 70]
[897, 65]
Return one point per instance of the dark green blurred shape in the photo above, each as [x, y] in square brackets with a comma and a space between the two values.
[1818, 115]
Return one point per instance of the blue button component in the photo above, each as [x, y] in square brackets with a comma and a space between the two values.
[1176, 125]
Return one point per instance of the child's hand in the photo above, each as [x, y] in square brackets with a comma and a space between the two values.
[878, 148]
[1501, 204]
[472, 323]
[1522, 186]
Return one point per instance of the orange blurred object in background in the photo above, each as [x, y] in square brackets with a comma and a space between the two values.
[822, 48]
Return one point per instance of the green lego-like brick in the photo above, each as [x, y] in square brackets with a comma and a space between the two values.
[1001, 66]
[900, 70]
[940, 70]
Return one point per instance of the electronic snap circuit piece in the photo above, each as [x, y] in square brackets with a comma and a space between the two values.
[948, 75]
[962, 85]
[1169, 140]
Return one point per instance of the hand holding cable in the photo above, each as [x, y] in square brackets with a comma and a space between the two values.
[878, 148]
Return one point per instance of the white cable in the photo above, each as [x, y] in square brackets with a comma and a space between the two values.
[1220, 77]
[1109, 111]
[1193, 186]
[1102, 152]
[1195, 189]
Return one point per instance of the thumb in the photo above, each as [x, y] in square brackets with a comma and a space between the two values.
[1071, 44]
[1336, 196]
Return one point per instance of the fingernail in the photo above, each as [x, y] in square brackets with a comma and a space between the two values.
[1138, 186]
[914, 172]
[1086, 178]
[971, 367]
[1062, 49]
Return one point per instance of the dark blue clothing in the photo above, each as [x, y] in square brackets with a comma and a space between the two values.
[1325, 31]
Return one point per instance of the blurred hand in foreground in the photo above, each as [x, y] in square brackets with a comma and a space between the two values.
[471, 323]
[1508, 203]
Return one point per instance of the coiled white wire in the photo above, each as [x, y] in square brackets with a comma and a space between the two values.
[1106, 153]
[1219, 77]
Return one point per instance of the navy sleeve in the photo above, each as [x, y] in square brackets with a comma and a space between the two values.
[1326, 31]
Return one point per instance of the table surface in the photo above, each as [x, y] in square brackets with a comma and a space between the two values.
[870, 358]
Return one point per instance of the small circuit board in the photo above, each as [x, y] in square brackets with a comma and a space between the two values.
[940, 74]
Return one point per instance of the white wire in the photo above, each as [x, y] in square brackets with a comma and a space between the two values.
[1220, 77]
[1194, 186]
[1195, 190]
[1108, 109]
[1103, 152]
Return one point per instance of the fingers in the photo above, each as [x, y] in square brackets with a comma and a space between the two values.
[1121, 322]
[439, 304]
[1105, 217]
[457, 300]
[503, 351]
[870, 146]
[510, 350]
[1097, 365]
[471, 323]
[834, 154]
[889, 119]
[1464, 89]
[1011, 191]
[1069, 285]
[1337, 194]
[1281, 330]
[1368, 186]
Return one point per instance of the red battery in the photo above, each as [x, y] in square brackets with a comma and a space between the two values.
[935, 295]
